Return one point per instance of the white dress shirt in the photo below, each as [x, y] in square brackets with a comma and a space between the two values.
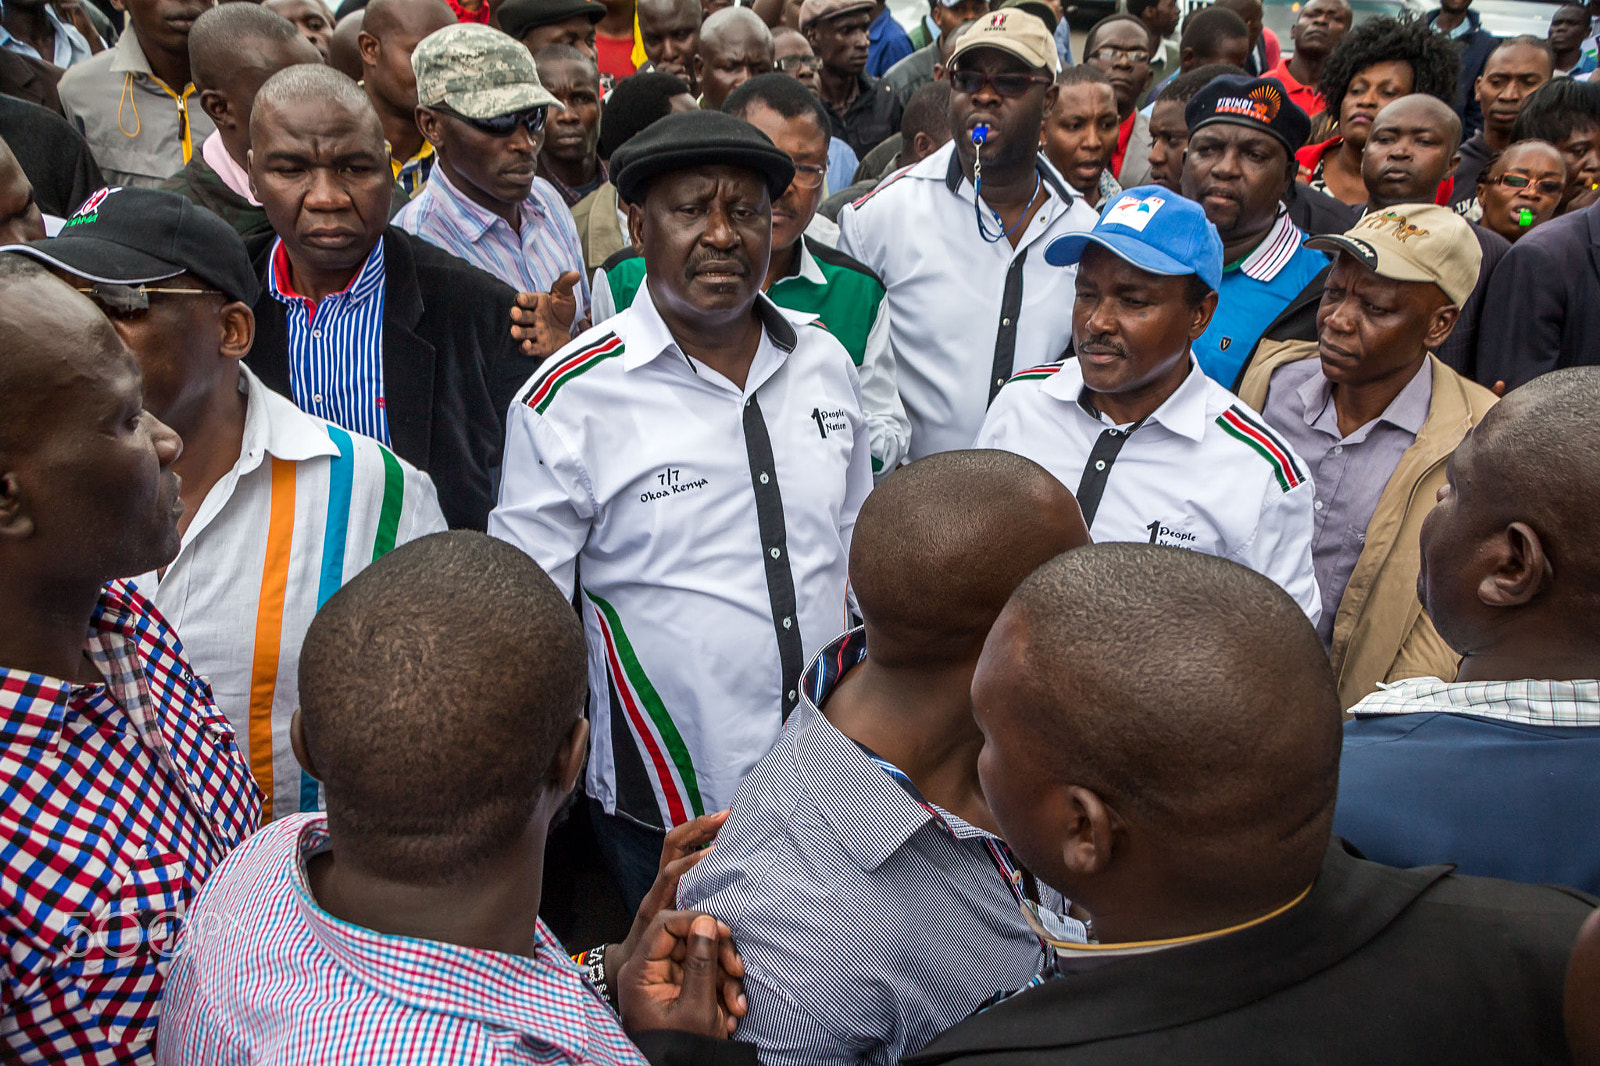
[707, 528]
[305, 508]
[964, 313]
[1201, 472]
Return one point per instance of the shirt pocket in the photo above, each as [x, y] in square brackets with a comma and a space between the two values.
[115, 958]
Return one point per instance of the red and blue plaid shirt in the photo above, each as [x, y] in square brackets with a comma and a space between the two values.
[266, 976]
[119, 799]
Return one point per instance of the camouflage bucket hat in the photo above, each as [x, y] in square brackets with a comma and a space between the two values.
[477, 72]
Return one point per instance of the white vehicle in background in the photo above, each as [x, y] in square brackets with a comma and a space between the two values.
[1503, 18]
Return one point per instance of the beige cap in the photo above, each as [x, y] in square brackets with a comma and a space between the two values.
[477, 72]
[1413, 242]
[1012, 30]
[817, 10]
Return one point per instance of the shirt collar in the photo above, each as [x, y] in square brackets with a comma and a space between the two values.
[1276, 250]
[130, 59]
[510, 992]
[215, 153]
[274, 426]
[804, 267]
[1184, 412]
[956, 180]
[1407, 411]
[475, 219]
[846, 779]
[399, 166]
[1531, 702]
[368, 280]
[648, 336]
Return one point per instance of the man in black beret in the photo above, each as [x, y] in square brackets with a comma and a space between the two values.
[538, 24]
[691, 469]
[1243, 134]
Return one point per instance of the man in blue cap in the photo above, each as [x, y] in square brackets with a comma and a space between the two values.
[1156, 451]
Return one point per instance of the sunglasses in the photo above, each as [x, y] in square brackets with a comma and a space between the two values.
[134, 299]
[1547, 187]
[530, 119]
[1010, 86]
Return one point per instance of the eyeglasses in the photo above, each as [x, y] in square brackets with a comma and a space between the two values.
[1011, 86]
[1110, 53]
[809, 176]
[530, 119]
[790, 64]
[1547, 187]
[134, 299]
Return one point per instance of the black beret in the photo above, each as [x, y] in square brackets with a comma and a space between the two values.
[697, 139]
[1260, 103]
[517, 17]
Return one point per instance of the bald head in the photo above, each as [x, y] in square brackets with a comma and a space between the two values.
[1421, 110]
[409, 19]
[1410, 149]
[733, 24]
[344, 48]
[1189, 694]
[735, 46]
[290, 91]
[941, 544]
[432, 730]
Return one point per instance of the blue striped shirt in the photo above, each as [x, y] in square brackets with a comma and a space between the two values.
[530, 261]
[336, 346]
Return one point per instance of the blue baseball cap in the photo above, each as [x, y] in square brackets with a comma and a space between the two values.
[1153, 228]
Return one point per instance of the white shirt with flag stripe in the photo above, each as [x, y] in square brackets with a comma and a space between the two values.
[1202, 472]
[635, 475]
[305, 508]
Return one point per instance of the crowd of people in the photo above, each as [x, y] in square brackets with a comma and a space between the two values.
[684, 531]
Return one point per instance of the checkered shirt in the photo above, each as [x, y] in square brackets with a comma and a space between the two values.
[118, 801]
[1547, 703]
[264, 975]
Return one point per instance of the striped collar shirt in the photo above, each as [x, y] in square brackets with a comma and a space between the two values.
[1275, 251]
[119, 799]
[869, 919]
[1537, 703]
[529, 261]
[305, 508]
[276, 980]
[336, 346]
[706, 529]
[1201, 472]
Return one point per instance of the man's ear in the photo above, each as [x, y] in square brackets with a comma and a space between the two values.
[923, 145]
[636, 227]
[215, 105]
[428, 125]
[1202, 315]
[369, 46]
[15, 522]
[238, 329]
[1088, 839]
[297, 743]
[250, 171]
[1440, 326]
[698, 67]
[1521, 568]
[569, 760]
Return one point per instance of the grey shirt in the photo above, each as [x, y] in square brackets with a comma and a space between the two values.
[1349, 472]
[135, 126]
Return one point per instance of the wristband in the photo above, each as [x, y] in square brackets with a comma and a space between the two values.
[593, 962]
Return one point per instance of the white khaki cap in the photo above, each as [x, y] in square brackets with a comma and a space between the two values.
[1413, 242]
[1012, 30]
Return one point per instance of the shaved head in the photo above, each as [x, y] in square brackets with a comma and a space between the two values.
[229, 37]
[344, 47]
[432, 729]
[941, 544]
[1185, 696]
[1421, 109]
[411, 18]
[317, 86]
[729, 23]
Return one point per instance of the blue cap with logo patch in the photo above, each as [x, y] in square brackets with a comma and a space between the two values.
[1153, 228]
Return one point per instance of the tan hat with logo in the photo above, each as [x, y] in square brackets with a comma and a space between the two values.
[1012, 30]
[1413, 242]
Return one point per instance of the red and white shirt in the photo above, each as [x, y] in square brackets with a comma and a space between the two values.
[119, 799]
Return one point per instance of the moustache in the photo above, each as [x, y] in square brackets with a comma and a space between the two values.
[1104, 344]
[723, 262]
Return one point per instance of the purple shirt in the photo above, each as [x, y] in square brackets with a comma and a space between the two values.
[1349, 473]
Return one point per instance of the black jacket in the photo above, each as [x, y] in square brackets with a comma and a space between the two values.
[51, 153]
[1542, 307]
[1474, 49]
[1475, 155]
[1317, 213]
[30, 79]
[1375, 966]
[450, 366]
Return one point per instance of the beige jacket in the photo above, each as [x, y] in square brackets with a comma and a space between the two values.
[598, 231]
[1381, 632]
